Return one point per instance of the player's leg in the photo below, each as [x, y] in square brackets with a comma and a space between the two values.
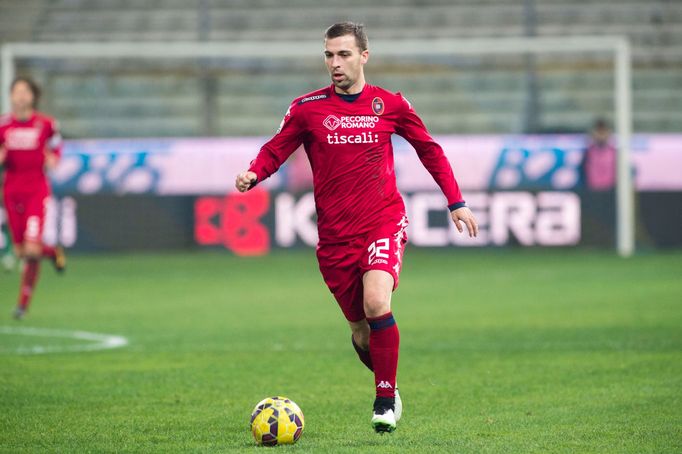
[56, 255]
[384, 342]
[343, 276]
[16, 220]
[31, 253]
[360, 340]
[339, 268]
[381, 266]
[31, 250]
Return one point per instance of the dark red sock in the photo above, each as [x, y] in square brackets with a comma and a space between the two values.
[384, 342]
[363, 355]
[29, 277]
[49, 252]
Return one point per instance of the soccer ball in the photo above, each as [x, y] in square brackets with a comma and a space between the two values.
[277, 421]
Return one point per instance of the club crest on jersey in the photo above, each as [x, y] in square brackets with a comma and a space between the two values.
[378, 106]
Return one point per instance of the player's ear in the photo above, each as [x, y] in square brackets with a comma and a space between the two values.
[364, 56]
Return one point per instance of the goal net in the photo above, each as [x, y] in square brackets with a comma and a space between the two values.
[168, 124]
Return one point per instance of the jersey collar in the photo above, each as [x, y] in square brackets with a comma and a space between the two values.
[361, 95]
[28, 120]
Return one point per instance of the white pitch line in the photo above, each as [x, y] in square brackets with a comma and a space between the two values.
[96, 341]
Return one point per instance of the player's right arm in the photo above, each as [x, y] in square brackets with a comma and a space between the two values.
[275, 152]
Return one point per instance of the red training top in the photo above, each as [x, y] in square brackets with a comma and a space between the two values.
[26, 142]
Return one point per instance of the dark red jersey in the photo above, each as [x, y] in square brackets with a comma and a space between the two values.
[26, 143]
[351, 155]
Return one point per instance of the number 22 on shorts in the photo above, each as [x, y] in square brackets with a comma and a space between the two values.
[378, 251]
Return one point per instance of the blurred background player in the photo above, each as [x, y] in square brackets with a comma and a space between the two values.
[30, 144]
[599, 165]
[346, 130]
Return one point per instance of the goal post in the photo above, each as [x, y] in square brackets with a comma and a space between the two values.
[617, 46]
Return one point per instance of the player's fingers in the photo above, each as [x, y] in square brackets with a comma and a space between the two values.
[241, 186]
[458, 224]
[243, 181]
[473, 221]
[470, 227]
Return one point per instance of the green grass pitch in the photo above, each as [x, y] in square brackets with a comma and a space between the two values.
[502, 351]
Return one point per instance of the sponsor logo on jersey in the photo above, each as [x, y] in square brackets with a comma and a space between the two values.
[22, 138]
[342, 139]
[378, 106]
[313, 98]
[333, 122]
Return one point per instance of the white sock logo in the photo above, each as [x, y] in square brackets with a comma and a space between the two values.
[384, 384]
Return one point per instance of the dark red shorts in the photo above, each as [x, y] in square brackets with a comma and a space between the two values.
[25, 215]
[343, 265]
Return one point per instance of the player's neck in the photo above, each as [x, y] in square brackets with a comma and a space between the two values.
[23, 115]
[354, 89]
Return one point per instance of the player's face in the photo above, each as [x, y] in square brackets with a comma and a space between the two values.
[344, 61]
[21, 97]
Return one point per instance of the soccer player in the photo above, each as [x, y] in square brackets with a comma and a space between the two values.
[346, 130]
[30, 143]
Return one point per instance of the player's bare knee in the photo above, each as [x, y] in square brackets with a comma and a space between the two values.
[32, 251]
[30, 254]
[377, 303]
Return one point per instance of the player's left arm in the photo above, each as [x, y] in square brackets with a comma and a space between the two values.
[53, 147]
[410, 126]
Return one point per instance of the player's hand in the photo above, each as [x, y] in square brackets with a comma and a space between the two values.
[464, 215]
[51, 160]
[245, 180]
[3, 155]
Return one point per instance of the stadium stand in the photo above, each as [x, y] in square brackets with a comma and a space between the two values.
[132, 99]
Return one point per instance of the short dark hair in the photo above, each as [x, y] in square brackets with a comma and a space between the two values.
[349, 28]
[32, 85]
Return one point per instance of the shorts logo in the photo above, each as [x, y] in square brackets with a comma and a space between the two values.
[378, 106]
[331, 122]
